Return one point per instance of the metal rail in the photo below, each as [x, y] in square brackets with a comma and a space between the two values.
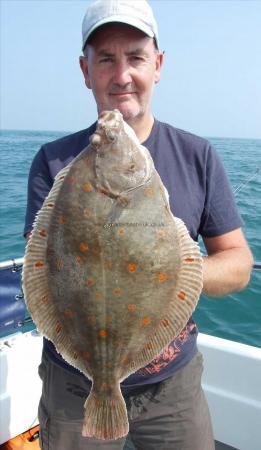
[19, 262]
[11, 263]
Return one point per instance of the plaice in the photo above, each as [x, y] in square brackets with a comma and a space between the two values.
[110, 275]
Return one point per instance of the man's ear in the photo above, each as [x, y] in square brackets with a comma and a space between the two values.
[85, 70]
[159, 62]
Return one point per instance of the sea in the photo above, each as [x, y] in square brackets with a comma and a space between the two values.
[236, 317]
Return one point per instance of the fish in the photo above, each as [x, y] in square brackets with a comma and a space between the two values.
[110, 276]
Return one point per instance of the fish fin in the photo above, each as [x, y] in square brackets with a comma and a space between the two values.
[185, 297]
[35, 278]
[105, 418]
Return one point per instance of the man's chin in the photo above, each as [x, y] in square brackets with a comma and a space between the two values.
[128, 114]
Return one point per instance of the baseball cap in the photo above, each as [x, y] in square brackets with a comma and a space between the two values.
[136, 13]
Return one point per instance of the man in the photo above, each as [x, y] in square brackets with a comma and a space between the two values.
[165, 402]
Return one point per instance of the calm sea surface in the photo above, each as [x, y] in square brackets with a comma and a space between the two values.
[236, 317]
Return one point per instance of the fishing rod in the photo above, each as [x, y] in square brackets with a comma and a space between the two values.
[245, 183]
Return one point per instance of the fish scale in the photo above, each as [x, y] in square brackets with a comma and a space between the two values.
[110, 275]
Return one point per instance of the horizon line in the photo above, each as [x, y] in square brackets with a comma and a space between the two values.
[72, 132]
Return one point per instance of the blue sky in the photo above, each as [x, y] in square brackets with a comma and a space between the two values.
[211, 79]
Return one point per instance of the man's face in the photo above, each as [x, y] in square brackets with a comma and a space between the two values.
[121, 68]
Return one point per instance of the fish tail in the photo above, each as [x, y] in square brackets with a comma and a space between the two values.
[105, 417]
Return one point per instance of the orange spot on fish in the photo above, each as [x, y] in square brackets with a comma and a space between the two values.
[79, 260]
[50, 205]
[39, 264]
[59, 264]
[90, 282]
[165, 322]
[95, 250]
[132, 267]
[149, 192]
[62, 220]
[117, 291]
[146, 321]
[162, 277]
[189, 259]
[181, 295]
[58, 328]
[86, 355]
[160, 233]
[132, 307]
[87, 187]
[98, 296]
[87, 213]
[83, 247]
[149, 346]
[121, 232]
[43, 232]
[68, 313]
[103, 333]
[61, 177]
[45, 299]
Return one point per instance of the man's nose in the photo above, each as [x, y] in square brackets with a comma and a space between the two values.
[122, 74]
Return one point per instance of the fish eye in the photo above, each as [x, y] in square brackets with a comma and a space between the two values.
[111, 136]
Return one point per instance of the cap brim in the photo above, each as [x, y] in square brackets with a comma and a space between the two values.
[119, 19]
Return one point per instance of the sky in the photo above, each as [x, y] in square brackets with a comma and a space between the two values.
[211, 77]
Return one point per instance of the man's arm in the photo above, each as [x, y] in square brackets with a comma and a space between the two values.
[228, 266]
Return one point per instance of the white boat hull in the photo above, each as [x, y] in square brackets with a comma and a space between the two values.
[20, 385]
[232, 383]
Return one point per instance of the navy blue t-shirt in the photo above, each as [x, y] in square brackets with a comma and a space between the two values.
[199, 194]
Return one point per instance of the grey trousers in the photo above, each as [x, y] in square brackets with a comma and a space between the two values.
[170, 415]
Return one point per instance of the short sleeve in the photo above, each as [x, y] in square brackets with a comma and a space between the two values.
[220, 213]
[39, 184]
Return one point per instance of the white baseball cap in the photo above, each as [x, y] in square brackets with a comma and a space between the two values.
[136, 13]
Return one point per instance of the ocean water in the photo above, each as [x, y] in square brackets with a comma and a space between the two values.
[236, 317]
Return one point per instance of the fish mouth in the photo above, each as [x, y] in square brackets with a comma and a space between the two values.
[108, 127]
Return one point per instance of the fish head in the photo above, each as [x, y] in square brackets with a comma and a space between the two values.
[121, 163]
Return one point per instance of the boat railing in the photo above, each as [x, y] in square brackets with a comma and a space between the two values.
[19, 261]
[11, 263]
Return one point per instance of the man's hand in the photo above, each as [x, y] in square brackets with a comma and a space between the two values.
[228, 266]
